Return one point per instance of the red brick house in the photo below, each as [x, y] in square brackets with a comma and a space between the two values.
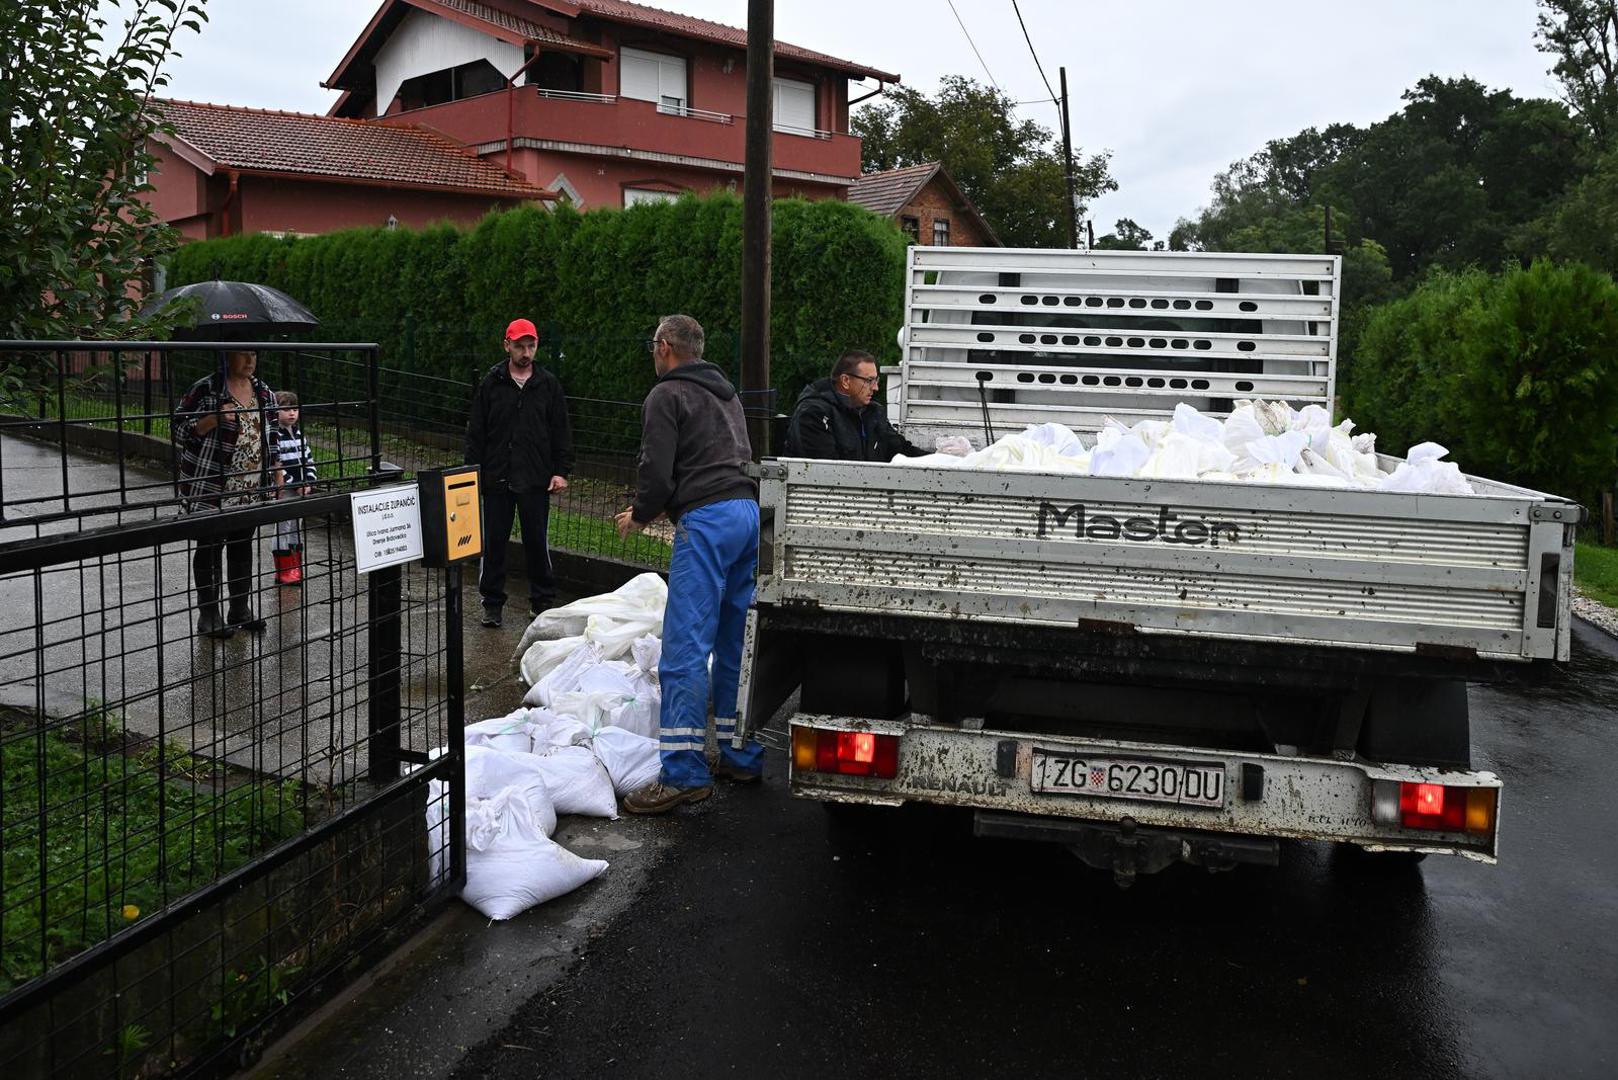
[927, 204]
[603, 102]
[227, 170]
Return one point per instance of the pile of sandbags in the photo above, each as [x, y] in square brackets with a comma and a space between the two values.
[1259, 442]
[584, 737]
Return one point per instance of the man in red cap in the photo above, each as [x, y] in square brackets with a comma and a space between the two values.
[519, 438]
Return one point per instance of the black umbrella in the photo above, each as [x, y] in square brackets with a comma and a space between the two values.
[235, 310]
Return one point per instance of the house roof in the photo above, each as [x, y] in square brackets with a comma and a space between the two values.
[886, 193]
[354, 71]
[621, 11]
[323, 147]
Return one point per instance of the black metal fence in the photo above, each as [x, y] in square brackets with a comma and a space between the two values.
[202, 835]
[59, 399]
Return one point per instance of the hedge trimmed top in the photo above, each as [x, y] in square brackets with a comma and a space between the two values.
[437, 299]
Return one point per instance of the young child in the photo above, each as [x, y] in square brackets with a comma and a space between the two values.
[298, 466]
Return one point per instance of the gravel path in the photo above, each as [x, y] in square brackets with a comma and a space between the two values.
[1596, 613]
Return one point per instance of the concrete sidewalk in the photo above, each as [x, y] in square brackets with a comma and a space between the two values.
[289, 702]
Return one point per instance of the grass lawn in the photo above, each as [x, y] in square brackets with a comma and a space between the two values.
[118, 843]
[599, 536]
[1595, 571]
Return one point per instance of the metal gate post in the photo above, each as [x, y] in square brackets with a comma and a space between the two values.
[455, 698]
[384, 591]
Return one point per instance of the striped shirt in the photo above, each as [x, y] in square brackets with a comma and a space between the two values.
[296, 459]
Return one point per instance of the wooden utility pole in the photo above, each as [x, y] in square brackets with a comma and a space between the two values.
[757, 184]
[1067, 161]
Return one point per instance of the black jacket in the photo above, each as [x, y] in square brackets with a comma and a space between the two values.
[694, 444]
[824, 426]
[519, 437]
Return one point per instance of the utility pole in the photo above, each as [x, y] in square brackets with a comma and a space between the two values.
[757, 183]
[1067, 159]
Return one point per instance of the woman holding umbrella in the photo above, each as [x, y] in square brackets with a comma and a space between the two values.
[225, 428]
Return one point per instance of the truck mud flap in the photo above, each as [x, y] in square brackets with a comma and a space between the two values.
[1127, 849]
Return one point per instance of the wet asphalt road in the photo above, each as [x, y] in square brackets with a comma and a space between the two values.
[770, 943]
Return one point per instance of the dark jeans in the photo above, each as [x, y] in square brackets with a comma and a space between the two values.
[500, 505]
[237, 549]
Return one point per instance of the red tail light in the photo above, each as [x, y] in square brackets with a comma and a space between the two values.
[850, 753]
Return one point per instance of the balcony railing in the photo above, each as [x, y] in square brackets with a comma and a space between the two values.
[577, 95]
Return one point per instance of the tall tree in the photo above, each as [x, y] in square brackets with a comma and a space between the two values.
[1583, 36]
[75, 234]
[1126, 235]
[1009, 168]
[1443, 182]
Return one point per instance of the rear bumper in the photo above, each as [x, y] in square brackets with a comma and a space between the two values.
[1268, 796]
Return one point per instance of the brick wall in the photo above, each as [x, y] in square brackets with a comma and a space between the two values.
[932, 204]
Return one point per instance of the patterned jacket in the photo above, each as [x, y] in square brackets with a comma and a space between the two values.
[204, 458]
[297, 460]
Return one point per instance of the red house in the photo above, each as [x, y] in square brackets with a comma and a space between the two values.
[601, 102]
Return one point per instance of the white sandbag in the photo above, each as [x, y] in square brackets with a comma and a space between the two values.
[508, 734]
[564, 678]
[511, 864]
[615, 637]
[953, 445]
[609, 677]
[631, 759]
[549, 729]
[577, 782]
[639, 713]
[641, 599]
[647, 653]
[542, 657]
[489, 772]
[1423, 472]
[1058, 437]
[1118, 452]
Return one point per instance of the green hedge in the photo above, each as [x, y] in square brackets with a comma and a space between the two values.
[438, 299]
[1516, 373]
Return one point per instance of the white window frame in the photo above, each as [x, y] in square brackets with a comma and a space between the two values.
[635, 196]
[940, 223]
[795, 87]
[673, 88]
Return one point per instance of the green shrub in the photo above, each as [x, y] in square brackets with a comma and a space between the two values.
[1517, 373]
[437, 299]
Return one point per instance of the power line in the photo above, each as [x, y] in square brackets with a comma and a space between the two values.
[1031, 51]
[974, 45]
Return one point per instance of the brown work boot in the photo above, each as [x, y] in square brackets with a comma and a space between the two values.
[659, 798]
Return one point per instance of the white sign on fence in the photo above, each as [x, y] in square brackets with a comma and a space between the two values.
[387, 527]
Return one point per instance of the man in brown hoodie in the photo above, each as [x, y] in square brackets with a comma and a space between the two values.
[694, 452]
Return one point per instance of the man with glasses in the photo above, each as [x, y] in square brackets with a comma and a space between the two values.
[837, 418]
[693, 460]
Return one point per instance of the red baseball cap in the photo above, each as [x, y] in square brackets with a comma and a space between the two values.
[521, 328]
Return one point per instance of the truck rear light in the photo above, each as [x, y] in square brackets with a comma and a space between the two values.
[850, 753]
[1438, 807]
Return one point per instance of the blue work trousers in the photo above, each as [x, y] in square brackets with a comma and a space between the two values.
[710, 589]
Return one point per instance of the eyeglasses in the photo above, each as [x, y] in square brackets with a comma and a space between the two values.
[651, 343]
[868, 380]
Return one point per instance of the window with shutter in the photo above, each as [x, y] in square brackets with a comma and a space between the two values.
[654, 77]
[794, 106]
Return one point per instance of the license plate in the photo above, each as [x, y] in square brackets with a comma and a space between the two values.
[1184, 783]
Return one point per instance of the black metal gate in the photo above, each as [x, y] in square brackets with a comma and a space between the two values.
[203, 836]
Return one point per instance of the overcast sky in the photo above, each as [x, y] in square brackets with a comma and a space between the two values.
[1176, 89]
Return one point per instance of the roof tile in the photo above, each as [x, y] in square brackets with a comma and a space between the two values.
[886, 193]
[266, 140]
[704, 29]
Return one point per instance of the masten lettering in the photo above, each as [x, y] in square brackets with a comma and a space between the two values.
[1167, 526]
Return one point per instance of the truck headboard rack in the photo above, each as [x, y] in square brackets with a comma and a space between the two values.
[1033, 336]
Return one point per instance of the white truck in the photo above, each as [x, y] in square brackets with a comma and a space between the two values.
[1147, 671]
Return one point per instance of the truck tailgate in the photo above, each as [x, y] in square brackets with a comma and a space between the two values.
[1488, 574]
